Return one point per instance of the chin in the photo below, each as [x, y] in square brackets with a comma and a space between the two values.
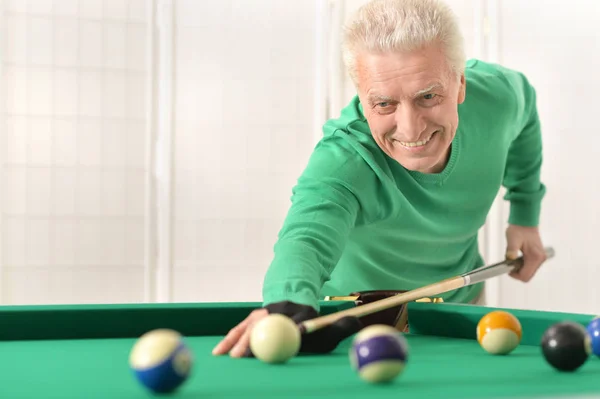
[432, 162]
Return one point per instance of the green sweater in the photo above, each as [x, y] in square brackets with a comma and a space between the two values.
[360, 221]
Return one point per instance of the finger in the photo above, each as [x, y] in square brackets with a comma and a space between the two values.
[535, 258]
[239, 350]
[512, 251]
[231, 338]
[229, 341]
[517, 273]
[540, 254]
[513, 246]
[527, 273]
[532, 260]
[524, 274]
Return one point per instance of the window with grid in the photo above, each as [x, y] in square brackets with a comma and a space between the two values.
[73, 150]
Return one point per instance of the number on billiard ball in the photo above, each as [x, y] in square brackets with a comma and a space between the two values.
[566, 346]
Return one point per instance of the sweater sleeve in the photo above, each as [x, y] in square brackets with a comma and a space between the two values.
[324, 210]
[524, 189]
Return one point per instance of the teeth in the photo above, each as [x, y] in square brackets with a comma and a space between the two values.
[415, 143]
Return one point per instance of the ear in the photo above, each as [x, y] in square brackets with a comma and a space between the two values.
[462, 89]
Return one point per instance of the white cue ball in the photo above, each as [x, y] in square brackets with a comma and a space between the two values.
[275, 339]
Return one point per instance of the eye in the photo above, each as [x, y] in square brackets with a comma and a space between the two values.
[384, 107]
[429, 96]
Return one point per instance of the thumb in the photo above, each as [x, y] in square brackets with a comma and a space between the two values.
[513, 246]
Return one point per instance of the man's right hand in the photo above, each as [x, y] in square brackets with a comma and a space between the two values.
[237, 340]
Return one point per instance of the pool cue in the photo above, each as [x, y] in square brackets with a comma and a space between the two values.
[473, 277]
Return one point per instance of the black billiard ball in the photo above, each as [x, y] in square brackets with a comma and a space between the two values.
[566, 346]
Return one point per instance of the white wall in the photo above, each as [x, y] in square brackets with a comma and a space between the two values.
[557, 45]
[72, 151]
[80, 143]
[244, 103]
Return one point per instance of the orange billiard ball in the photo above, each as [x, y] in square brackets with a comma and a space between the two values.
[499, 332]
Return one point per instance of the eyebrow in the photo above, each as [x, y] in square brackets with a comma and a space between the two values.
[430, 88]
[375, 98]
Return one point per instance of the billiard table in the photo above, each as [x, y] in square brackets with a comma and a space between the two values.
[81, 351]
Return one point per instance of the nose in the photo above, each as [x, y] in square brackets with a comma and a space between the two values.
[410, 122]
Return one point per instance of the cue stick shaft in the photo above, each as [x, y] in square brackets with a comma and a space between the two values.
[463, 280]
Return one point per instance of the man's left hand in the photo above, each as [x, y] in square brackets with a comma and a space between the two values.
[527, 240]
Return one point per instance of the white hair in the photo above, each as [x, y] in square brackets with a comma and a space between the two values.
[403, 26]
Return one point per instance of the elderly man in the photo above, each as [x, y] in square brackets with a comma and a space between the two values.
[397, 189]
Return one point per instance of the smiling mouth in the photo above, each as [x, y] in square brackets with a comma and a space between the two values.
[412, 144]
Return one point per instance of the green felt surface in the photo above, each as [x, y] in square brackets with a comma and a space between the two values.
[438, 367]
[444, 360]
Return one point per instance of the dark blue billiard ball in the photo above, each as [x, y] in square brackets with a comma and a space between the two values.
[379, 353]
[160, 360]
[594, 330]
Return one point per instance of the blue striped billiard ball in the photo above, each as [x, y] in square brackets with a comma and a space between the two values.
[160, 360]
[379, 353]
[594, 330]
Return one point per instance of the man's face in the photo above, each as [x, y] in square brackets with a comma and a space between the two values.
[411, 102]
